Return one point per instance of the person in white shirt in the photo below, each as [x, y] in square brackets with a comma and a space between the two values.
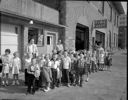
[59, 47]
[66, 63]
[16, 66]
[32, 48]
[54, 67]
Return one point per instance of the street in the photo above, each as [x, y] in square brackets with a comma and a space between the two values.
[103, 85]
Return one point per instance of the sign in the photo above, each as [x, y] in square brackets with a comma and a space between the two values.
[100, 23]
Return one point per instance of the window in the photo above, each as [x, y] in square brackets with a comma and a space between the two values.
[48, 40]
[115, 19]
[37, 35]
[110, 13]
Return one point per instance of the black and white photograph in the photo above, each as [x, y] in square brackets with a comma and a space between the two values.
[63, 50]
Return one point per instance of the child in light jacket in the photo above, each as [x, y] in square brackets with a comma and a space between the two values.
[16, 66]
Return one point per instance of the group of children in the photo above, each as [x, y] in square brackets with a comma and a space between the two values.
[47, 72]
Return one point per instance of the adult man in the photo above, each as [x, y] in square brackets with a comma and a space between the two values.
[32, 48]
[59, 47]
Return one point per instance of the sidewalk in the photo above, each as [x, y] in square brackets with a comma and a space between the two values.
[103, 85]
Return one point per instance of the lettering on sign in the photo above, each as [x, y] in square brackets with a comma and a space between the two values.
[100, 23]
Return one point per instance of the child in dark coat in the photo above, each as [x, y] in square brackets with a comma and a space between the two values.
[109, 61]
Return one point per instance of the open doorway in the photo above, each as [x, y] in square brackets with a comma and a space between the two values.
[82, 37]
[33, 33]
[100, 37]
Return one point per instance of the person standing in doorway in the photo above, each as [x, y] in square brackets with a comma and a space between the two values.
[32, 48]
[100, 52]
[59, 47]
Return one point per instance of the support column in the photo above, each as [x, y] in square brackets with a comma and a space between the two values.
[24, 42]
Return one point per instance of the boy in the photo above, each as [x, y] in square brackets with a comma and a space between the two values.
[66, 68]
[54, 66]
[81, 69]
[33, 75]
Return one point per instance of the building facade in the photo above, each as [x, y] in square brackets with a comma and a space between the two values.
[122, 32]
[90, 21]
[77, 23]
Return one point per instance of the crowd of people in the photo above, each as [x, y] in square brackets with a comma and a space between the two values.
[48, 71]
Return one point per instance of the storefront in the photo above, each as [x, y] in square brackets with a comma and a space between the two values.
[99, 33]
[16, 32]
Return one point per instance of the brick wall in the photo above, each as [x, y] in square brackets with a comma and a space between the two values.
[75, 10]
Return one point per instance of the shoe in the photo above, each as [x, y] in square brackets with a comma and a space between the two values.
[81, 85]
[46, 90]
[87, 79]
[3, 83]
[17, 82]
[7, 83]
[68, 85]
[13, 83]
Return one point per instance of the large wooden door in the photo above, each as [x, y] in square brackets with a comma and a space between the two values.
[9, 38]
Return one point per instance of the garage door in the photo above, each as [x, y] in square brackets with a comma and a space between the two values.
[9, 38]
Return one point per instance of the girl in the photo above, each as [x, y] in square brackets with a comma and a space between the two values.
[93, 63]
[101, 61]
[27, 63]
[33, 75]
[16, 66]
[6, 67]
[47, 73]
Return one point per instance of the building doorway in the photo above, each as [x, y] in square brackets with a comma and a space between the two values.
[82, 37]
[100, 37]
[33, 34]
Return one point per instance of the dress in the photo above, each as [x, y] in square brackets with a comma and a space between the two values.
[16, 65]
[46, 71]
[6, 64]
[101, 59]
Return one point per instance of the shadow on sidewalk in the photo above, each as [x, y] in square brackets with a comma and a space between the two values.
[14, 89]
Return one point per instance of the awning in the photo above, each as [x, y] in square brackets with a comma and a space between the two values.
[21, 16]
[83, 20]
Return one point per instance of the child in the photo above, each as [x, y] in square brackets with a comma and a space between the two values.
[47, 73]
[27, 63]
[59, 69]
[6, 67]
[101, 61]
[16, 66]
[54, 66]
[88, 61]
[33, 75]
[41, 65]
[73, 69]
[66, 63]
[93, 63]
[81, 69]
[109, 61]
